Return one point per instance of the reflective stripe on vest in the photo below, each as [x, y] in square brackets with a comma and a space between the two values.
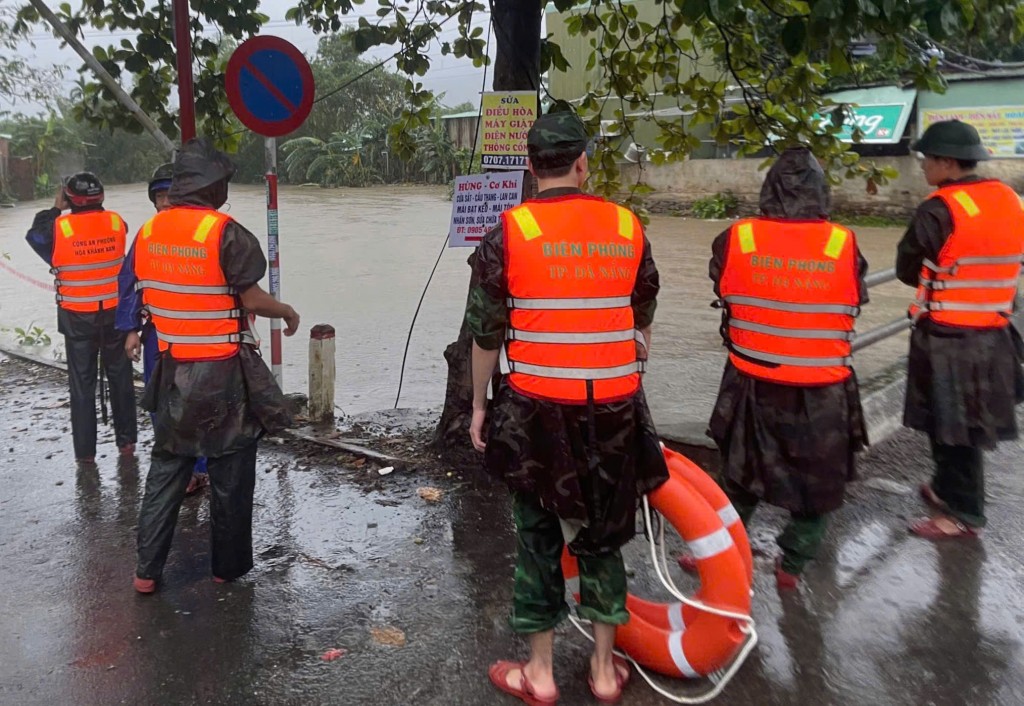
[184, 288]
[85, 268]
[800, 361]
[572, 334]
[564, 304]
[88, 249]
[197, 315]
[571, 338]
[791, 332]
[791, 292]
[974, 281]
[65, 283]
[545, 371]
[793, 307]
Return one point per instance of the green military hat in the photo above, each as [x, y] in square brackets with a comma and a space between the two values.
[556, 139]
[953, 139]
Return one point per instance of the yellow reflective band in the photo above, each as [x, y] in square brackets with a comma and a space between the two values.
[526, 222]
[65, 228]
[625, 223]
[204, 228]
[746, 233]
[115, 221]
[147, 230]
[965, 200]
[836, 242]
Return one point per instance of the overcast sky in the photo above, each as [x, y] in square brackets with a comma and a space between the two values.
[456, 78]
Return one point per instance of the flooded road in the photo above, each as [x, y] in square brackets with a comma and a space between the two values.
[358, 259]
[416, 595]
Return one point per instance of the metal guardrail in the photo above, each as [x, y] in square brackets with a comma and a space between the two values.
[880, 333]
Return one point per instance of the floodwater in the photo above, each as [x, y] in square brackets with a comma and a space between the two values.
[358, 259]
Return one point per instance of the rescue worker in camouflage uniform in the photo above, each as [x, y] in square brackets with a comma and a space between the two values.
[566, 297]
[84, 250]
[788, 419]
[196, 271]
[962, 250]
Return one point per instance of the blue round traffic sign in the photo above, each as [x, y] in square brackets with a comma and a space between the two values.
[269, 86]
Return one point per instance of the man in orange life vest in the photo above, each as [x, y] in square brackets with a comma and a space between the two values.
[788, 419]
[566, 299]
[84, 249]
[197, 271]
[962, 251]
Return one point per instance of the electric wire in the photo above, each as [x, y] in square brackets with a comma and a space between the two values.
[444, 245]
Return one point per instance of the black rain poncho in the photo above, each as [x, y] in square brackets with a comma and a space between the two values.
[791, 446]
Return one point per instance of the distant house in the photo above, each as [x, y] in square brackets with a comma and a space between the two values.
[462, 128]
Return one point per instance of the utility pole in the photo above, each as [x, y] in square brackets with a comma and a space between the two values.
[183, 60]
[93, 63]
[516, 25]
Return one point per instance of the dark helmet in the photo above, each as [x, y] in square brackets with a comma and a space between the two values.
[161, 180]
[953, 139]
[83, 189]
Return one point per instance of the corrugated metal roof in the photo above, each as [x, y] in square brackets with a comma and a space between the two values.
[467, 114]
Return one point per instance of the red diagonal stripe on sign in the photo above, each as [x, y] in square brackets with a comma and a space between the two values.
[269, 85]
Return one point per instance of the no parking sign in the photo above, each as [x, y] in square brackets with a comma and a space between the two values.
[270, 86]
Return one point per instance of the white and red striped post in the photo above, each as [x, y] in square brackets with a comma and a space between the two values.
[274, 255]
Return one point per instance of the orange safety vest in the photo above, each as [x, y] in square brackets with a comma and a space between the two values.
[197, 315]
[571, 266]
[974, 282]
[791, 293]
[88, 249]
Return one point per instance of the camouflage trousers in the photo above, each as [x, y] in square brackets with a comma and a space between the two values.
[800, 540]
[538, 600]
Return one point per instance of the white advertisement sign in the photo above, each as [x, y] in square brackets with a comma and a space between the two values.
[477, 205]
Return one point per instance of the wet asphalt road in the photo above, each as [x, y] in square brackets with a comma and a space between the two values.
[344, 554]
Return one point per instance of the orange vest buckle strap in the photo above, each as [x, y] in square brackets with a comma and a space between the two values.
[244, 336]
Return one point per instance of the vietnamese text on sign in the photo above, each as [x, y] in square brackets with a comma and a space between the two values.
[477, 204]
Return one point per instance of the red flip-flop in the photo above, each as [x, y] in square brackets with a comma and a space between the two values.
[498, 674]
[932, 499]
[620, 681]
[928, 528]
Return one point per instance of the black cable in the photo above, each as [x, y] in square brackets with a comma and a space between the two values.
[444, 245]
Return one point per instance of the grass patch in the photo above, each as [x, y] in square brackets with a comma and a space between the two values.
[869, 220]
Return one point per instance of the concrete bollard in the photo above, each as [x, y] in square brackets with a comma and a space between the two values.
[321, 373]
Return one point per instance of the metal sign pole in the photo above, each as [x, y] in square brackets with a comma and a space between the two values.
[274, 255]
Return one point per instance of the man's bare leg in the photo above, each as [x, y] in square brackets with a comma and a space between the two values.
[539, 670]
[602, 669]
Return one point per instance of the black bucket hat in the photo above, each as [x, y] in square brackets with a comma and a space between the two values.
[953, 139]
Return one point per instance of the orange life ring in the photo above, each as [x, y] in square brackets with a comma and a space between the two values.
[667, 637]
[708, 488]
